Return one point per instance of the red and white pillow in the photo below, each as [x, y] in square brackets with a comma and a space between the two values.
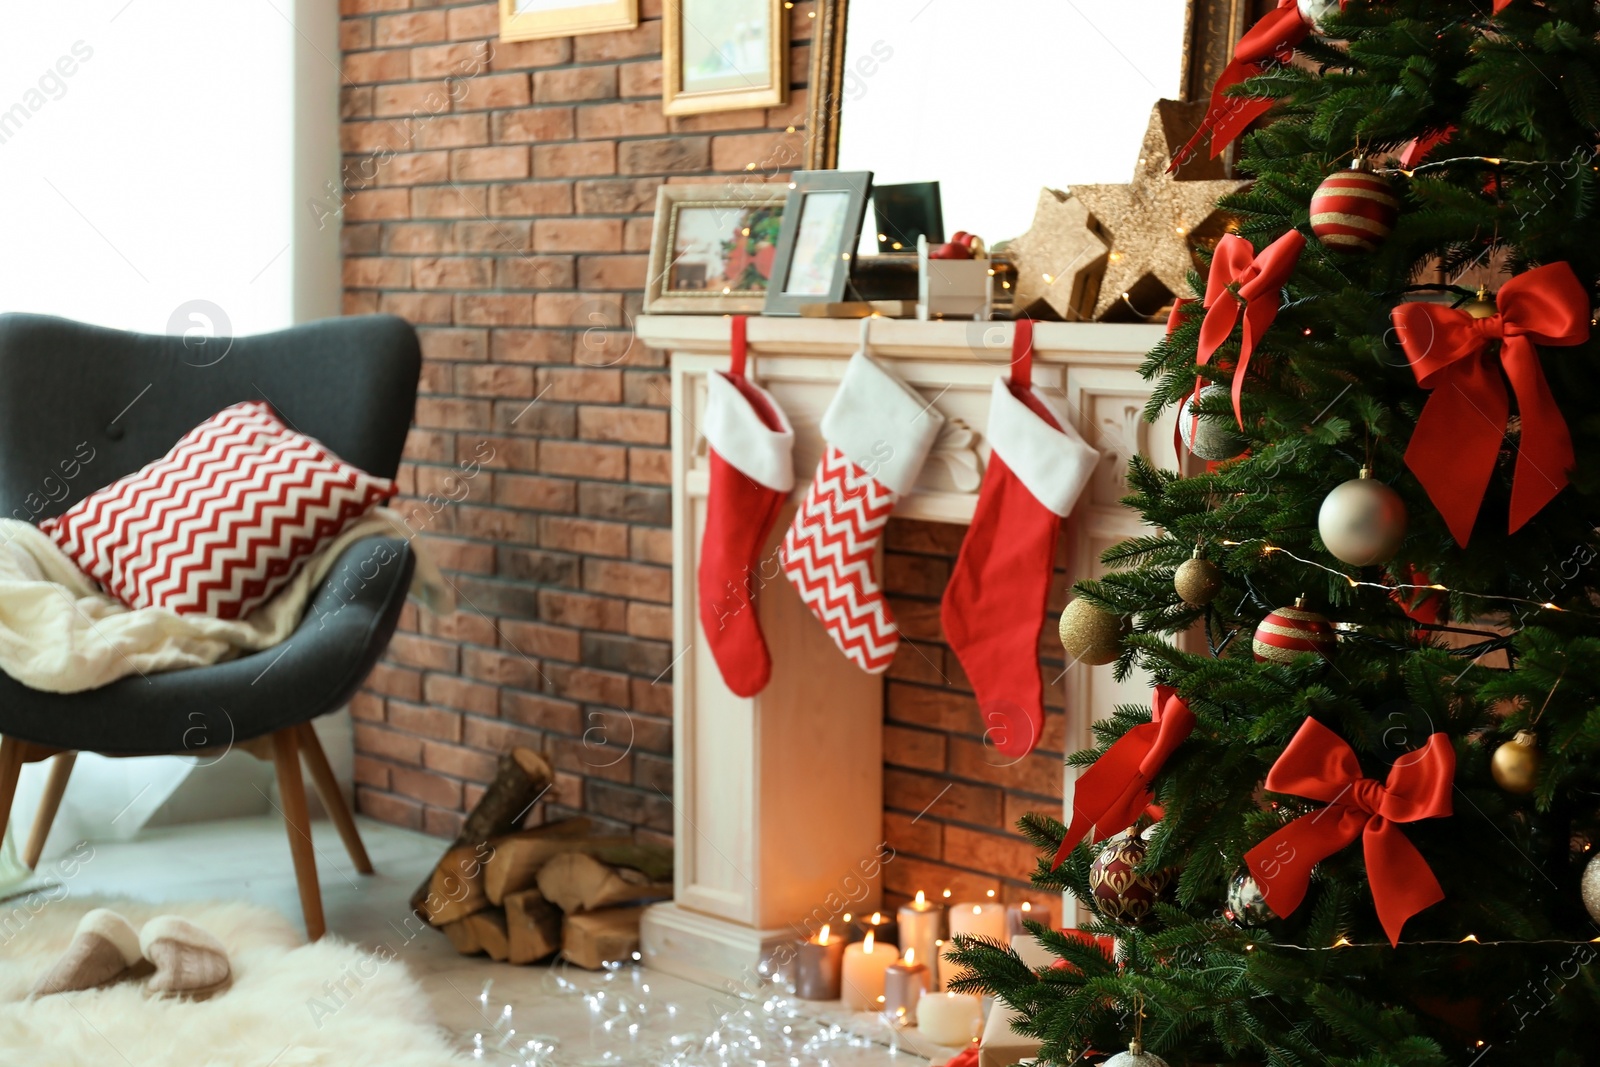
[222, 521]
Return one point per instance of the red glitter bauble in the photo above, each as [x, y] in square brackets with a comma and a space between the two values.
[1354, 210]
[1120, 891]
[1288, 632]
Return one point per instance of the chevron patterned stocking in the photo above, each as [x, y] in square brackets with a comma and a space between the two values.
[879, 431]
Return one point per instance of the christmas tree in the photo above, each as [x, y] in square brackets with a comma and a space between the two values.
[1375, 810]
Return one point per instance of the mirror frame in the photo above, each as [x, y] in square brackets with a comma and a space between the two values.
[1211, 27]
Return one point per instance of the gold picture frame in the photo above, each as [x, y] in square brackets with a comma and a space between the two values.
[712, 52]
[528, 20]
[713, 248]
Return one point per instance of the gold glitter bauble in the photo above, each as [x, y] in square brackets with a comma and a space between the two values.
[1481, 306]
[1515, 764]
[1091, 635]
[1591, 888]
[1058, 260]
[1198, 581]
[1152, 223]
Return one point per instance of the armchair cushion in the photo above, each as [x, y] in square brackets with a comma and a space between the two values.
[222, 521]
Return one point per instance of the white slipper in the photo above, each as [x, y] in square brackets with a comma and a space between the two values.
[104, 949]
[189, 962]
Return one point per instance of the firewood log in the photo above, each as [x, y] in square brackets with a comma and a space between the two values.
[517, 857]
[595, 938]
[489, 927]
[576, 882]
[462, 937]
[533, 925]
[455, 888]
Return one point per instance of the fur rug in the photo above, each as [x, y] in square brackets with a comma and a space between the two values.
[331, 1004]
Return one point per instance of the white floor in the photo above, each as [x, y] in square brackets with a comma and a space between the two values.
[249, 859]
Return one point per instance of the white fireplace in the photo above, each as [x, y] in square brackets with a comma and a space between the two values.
[778, 798]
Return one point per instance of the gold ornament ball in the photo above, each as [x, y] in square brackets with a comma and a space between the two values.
[1591, 888]
[1198, 581]
[1481, 306]
[1363, 521]
[1515, 764]
[1091, 635]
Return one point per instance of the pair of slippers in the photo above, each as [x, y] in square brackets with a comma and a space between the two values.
[174, 956]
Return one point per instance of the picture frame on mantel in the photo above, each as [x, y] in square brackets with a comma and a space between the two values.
[713, 248]
[723, 55]
[528, 20]
[821, 227]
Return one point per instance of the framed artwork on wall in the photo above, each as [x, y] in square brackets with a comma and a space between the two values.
[525, 20]
[821, 225]
[723, 55]
[713, 248]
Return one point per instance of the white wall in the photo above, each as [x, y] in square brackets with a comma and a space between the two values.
[164, 168]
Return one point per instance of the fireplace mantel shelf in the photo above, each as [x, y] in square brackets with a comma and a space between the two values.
[778, 798]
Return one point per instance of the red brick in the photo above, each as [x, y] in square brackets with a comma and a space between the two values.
[641, 119]
[450, 60]
[367, 707]
[377, 204]
[435, 723]
[465, 625]
[440, 823]
[583, 611]
[493, 91]
[910, 836]
[635, 580]
[386, 743]
[489, 164]
[650, 620]
[539, 639]
[642, 40]
[415, 168]
[540, 712]
[481, 20]
[426, 786]
[653, 466]
[372, 772]
[650, 544]
[414, 27]
[372, 272]
[611, 272]
[580, 159]
[449, 202]
[927, 795]
[456, 272]
[532, 198]
[453, 414]
[452, 131]
[461, 694]
[640, 79]
[770, 152]
[367, 7]
[494, 380]
[490, 235]
[581, 384]
[386, 807]
[584, 311]
[426, 653]
[395, 682]
[501, 668]
[416, 238]
[536, 272]
[583, 535]
[530, 346]
[495, 736]
[577, 235]
[514, 55]
[500, 453]
[587, 461]
[622, 424]
[664, 155]
[363, 67]
[575, 83]
[528, 491]
[452, 554]
[989, 852]
[355, 35]
[502, 309]
[921, 749]
[534, 124]
[458, 762]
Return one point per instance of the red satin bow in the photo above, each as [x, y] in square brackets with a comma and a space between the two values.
[1259, 280]
[1109, 796]
[1319, 765]
[1272, 39]
[1457, 439]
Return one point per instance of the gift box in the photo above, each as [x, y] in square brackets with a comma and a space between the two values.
[1000, 1046]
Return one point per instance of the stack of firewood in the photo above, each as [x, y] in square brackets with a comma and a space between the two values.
[522, 895]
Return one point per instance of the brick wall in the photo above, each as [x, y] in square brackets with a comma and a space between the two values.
[500, 196]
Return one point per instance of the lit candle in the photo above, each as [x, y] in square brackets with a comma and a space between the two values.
[817, 967]
[950, 1018]
[865, 964]
[921, 927]
[1017, 913]
[903, 985]
[976, 920]
[884, 929]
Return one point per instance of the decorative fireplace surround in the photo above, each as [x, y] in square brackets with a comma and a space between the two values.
[778, 804]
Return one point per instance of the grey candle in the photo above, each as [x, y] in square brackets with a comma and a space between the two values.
[817, 966]
[903, 985]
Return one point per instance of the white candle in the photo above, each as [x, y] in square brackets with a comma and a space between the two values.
[1017, 913]
[865, 963]
[977, 920]
[950, 1018]
[921, 927]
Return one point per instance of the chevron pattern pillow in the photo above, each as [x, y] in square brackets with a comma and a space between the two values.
[222, 521]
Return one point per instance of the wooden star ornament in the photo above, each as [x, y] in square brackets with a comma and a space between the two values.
[1154, 223]
[1058, 260]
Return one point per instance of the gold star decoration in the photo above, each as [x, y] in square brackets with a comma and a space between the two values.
[1058, 260]
[1154, 224]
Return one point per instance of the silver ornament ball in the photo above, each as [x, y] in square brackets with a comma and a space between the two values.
[1247, 905]
[1136, 1056]
[1591, 888]
[1210, 438]
[1363, 521]
[1314, 11]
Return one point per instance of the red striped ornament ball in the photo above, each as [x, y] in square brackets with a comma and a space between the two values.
[1287, 632]
[1354, 210]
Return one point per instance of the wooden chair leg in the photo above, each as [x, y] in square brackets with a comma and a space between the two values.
[12, 757]
[332, 796]
[286, 759]
[55, 787]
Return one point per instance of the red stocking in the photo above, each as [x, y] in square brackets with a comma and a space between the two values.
[751, 475]
[994, 606]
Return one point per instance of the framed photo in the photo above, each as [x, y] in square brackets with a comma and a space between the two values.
[525, 20]
[821, 225]
[713, 248]
[904, 213]
[723, 55]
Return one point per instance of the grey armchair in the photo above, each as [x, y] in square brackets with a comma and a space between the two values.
[68, 390]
